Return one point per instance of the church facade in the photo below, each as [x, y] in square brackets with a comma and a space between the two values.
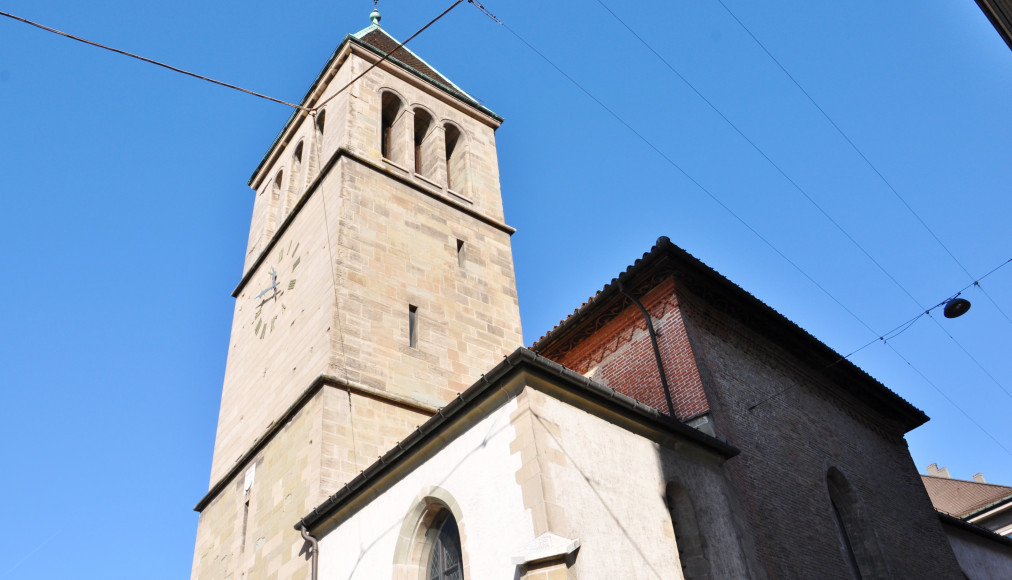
[380, 420]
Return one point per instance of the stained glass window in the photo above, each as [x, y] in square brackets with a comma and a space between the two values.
[445, 559]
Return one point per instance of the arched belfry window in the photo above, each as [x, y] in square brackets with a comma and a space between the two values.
[424, 160]
[857, 539]
[455, 169]
[389, 121]
[275, 207]
[444, 560]
[316, 149]
[295, 179]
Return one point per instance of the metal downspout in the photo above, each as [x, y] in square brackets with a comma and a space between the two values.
[314, 550]
[657, 350]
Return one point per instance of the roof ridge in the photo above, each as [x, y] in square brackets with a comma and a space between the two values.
[956, 479]
[442, 79]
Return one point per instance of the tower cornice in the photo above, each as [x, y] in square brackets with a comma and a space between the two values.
[344, 152]
[352, 45]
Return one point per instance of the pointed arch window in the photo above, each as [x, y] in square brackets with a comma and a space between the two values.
[688, 540]
[445, 560]
[857, 540]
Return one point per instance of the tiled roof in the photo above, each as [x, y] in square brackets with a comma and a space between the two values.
[667, 259]
[962, 498]
[381, 42]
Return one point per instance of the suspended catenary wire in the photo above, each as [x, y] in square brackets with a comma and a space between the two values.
[151, 61]
[857, 150]
[229, 85]
[713, 197]
[387, 55]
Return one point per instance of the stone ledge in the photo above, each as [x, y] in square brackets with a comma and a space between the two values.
[545, 547]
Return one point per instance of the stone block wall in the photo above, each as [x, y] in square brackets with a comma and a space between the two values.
[398, 248]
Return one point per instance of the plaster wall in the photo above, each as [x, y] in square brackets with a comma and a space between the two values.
[478, 470]
[609, 485]
[979, 558]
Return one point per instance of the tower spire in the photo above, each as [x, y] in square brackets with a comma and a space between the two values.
[375, 15]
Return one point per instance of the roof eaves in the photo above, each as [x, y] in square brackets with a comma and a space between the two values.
[297, 112]
[446, 86]
[519, 358]
[834, 363]
[973, 528]
[976, 511]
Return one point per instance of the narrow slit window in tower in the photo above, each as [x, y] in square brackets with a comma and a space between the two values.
[412, 325]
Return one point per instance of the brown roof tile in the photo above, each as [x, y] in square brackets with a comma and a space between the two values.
[962, 498]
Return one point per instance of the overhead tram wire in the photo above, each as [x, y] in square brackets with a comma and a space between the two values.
[857, 150]
[759, 150]
[726, 208]
[151, 61]
[810, 199]
[387, 55]
[949, 399]
[900, 329]
[675, 165]
[311, 111]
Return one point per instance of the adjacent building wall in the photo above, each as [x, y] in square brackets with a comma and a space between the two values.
[980, 558]
[792, 428]
[476, 472]
[607, 487]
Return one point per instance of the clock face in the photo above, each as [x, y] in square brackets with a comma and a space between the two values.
[277, 282]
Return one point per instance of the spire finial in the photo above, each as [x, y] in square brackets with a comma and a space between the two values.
[375, 16]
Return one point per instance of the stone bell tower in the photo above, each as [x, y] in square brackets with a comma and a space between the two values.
[377, 284]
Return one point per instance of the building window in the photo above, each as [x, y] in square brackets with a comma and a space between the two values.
[688, 540]
[316, 149]
[857, 542]
[445, 560]
[294, 181]
[412, 325]
[454, 158]
[389, 117]
[460, 253]
[275, 203]
[423, 161]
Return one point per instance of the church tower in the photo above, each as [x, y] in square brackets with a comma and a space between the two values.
[377, 284]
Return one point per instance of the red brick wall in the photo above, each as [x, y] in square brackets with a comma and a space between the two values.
[620, 356]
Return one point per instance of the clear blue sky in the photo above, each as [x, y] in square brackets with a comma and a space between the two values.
[126, 211]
